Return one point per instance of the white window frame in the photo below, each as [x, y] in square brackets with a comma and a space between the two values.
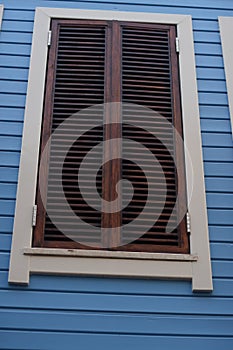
[25, 259]
[226, 30]
[1, 14]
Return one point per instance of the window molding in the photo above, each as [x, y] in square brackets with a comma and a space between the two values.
[1, 14]
[226, 27]
[26, 260]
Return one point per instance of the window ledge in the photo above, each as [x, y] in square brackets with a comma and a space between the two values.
[109, 254]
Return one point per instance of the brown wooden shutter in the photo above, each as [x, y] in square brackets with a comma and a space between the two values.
[92, 62]
[75, 81]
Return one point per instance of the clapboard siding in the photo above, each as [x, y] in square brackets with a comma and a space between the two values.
[107, 313]
[58, 340]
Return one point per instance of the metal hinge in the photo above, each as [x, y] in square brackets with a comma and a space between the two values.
[177, 45]
[34, 213]
[49, 37]
[188, 221]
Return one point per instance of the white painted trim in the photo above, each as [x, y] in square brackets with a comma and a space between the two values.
[26, 260]
[1, 14]
[109, 254]
[226, 30]
[113, 267]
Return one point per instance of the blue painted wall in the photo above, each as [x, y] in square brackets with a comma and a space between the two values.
[104, 313]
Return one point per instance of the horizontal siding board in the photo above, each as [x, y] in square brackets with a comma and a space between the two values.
[211, 85]
[206, 36]
[12, 99]
[9, 158]
[14, 74]
[208, 49]
[8, 175]
[207, 26]
[17, 26]
[209, 61]
[207, 12]
[213, 98]
[7, 207]
[5, 242]
[218, 184]
[59, 340]
[14, 61]
[170, 3]
[4, 261]
[218, 168]
[214, 112]
[14, 128]
[15, 49]
[222, 269]
[220, 233]
[215, 154]
[179, 3]
[8, 191]
[210, 73]
[208, 125]
[8, 86]
[219, 200]
[222, 251]
[217, 139]
[6, 224]
[220, 217]
[11, 143]
[16, 37]
[11, 113]
[19, 13]
[117, 303]
[115, 323]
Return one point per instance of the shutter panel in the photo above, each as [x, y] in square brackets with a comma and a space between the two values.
[149, 78]
[78, 55]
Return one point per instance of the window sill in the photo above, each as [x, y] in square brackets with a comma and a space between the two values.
[109, 254]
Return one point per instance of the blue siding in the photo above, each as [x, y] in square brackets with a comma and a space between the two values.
[104, 313]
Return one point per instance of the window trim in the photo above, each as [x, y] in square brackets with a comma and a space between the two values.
[24, 259]
[226, 27]
[1, 14]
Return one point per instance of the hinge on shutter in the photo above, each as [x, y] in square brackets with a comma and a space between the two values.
[188, 221]
[34, 213]
[49, 37]
[177, 45]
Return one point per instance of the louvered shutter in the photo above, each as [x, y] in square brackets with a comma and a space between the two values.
[75, 81]
[150, 78]
[92, 62]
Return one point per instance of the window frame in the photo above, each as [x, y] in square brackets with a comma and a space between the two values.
[1, 14]
[26, 260]
[226, 27]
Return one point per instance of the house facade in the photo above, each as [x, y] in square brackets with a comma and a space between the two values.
[58, 295]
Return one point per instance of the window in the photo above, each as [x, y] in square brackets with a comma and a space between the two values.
[226, 27]
[107, 62]
[119, 79]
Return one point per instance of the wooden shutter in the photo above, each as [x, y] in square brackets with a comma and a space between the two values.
[150, 78]
[92, 62]
[75, 81]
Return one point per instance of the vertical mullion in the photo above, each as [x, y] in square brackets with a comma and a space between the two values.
[111, 222]
[178, 147]
[38, 236]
